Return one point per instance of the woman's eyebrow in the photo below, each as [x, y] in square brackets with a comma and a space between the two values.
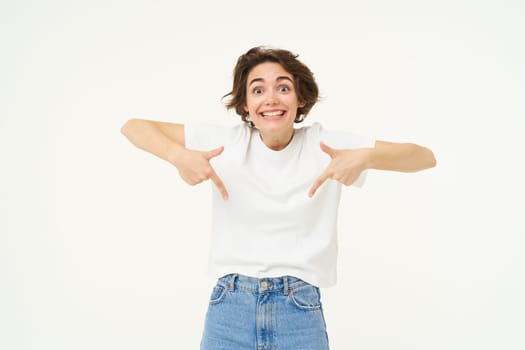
[256, 80]
[282, 77]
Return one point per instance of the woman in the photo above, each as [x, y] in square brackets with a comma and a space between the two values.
[275, 200]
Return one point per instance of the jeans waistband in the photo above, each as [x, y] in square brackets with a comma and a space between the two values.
[261, 285]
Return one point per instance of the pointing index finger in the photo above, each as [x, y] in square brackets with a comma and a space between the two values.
[220, 185]
[318, 183]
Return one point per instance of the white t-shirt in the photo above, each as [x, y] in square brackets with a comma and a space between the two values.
[269, 227]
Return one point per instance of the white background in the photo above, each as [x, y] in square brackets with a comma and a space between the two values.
[102, 246]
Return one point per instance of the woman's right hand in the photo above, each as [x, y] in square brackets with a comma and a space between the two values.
[166, 140]
[194, 167]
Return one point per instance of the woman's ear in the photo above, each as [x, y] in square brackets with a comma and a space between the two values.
[301, 104]
[245, 107]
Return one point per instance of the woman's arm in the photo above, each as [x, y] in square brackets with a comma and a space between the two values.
[347, 165]
[166, 141]
[405, 157]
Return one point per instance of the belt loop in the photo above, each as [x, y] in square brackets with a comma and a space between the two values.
[286, 291]
[231, 285]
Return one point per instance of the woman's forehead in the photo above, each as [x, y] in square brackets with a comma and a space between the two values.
[268, 71]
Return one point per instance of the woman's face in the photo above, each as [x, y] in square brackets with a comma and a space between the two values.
[272, 102]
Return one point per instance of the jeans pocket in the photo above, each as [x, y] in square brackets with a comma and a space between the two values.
[306, 297]
[217, 294]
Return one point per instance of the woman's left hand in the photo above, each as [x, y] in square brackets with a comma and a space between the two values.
[345, 167]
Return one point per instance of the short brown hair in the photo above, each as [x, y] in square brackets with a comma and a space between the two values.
[305, 85]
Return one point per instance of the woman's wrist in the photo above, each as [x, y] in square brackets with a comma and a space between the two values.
[173, 152]
[369, 159]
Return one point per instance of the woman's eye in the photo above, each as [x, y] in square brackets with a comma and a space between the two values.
[284, 89]
[257, 91]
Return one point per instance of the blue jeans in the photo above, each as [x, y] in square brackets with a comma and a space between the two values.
[247, 313]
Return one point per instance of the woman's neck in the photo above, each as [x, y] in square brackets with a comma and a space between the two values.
[277, 142]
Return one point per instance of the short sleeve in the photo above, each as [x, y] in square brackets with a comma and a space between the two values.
[204, 137]
[345, 140]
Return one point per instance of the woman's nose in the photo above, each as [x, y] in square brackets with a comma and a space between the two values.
[271, 99]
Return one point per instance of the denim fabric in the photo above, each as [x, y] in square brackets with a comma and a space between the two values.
[247, 313]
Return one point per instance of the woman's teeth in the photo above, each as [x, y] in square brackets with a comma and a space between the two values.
[272, 114]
